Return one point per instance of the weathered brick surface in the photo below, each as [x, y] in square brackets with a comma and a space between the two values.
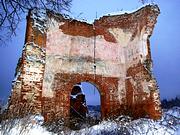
[60, 53]
[30, 71]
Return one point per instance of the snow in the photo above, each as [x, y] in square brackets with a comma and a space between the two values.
[37, 130]
[129, 12]
[32, 125]
[149, 127]
[29, 47]
[40, 18]
[168, 125]
[32, 58]
[174, 112]
[16, 78]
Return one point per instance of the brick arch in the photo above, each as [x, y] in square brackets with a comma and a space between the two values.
[97, 83]
[74, 40]
[64, 83]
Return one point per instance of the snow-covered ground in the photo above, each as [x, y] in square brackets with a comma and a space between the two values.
[30, 125]
[168, 125]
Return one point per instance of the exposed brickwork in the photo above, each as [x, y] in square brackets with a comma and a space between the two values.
[76, 28]
[60, 53]
[142, 91]
[29, 74]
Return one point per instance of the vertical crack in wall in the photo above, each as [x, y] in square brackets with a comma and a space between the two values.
[59, 53]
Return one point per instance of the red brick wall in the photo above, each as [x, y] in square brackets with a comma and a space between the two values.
[55, 60]
[29, 78]
[63, 84]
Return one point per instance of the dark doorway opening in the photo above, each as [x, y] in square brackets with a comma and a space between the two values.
[85, 107]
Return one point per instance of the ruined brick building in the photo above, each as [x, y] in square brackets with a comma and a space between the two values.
[113, 53]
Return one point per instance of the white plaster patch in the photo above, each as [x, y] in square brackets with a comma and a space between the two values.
[121, 36]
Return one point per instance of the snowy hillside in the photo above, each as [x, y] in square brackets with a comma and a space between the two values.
[168, 125]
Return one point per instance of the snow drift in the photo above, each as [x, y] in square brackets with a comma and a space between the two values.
[169, 124]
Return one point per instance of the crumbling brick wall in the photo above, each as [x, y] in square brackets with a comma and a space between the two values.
[113, 53]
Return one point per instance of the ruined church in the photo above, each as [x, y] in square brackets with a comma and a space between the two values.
[113, 53]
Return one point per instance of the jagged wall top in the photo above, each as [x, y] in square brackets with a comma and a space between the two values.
[146, 14]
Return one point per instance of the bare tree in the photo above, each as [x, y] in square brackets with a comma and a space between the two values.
[11, 12]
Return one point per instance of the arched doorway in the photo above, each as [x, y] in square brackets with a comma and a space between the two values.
[85, 104]
[63, 85]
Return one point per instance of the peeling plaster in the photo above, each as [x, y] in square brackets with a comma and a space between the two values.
[61, 52]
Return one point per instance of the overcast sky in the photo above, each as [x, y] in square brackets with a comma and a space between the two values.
[164, 43]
